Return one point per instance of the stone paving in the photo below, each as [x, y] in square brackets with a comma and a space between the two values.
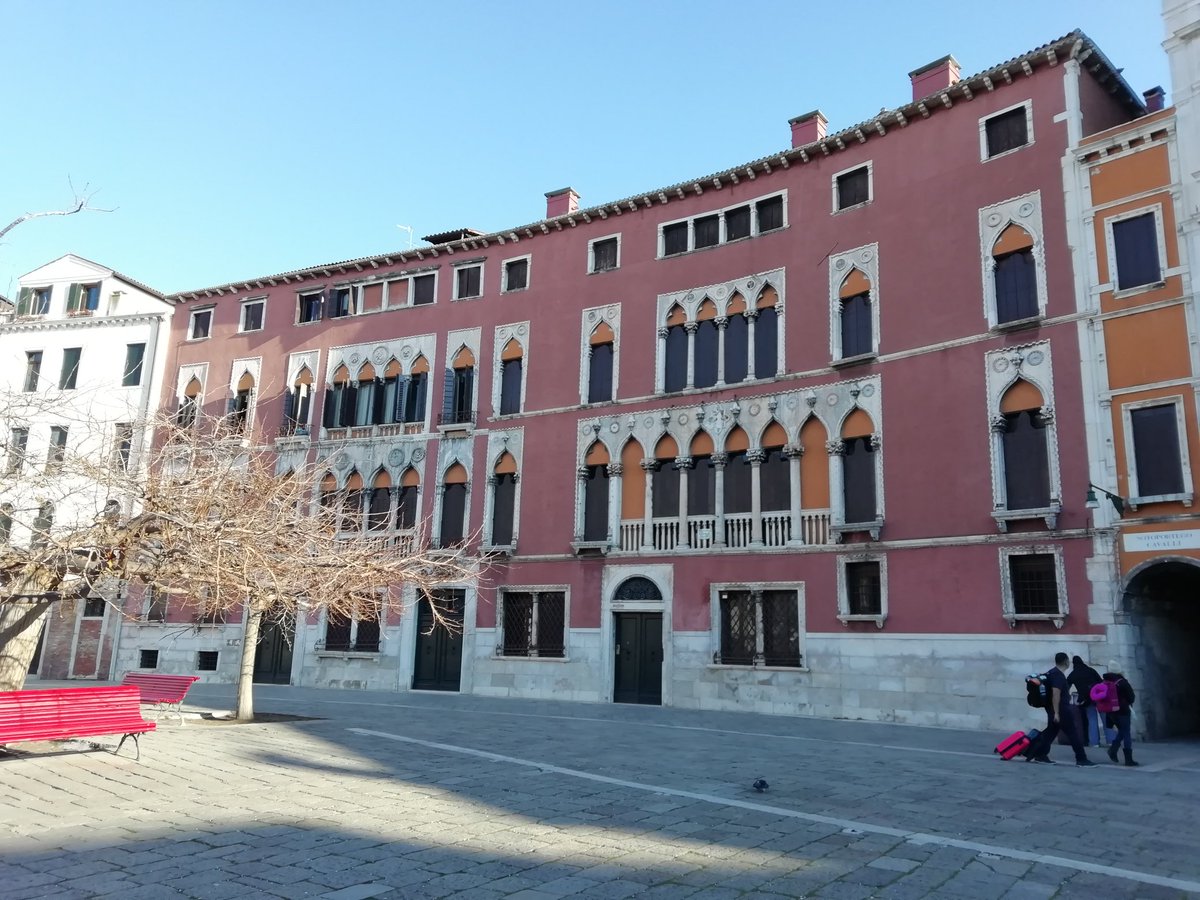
[429, 796]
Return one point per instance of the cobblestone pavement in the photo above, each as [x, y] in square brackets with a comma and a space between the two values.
[426, 795]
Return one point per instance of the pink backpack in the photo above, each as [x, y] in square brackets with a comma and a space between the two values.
[1105, 696]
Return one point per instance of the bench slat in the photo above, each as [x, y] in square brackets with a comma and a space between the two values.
[70, 712]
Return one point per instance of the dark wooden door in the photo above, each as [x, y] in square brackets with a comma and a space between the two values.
[439, 647]
[273, 656]
[639, 656]
[36, 662]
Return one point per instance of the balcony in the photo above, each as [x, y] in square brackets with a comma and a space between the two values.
[737, 529]
[456, 421]
[367, 432]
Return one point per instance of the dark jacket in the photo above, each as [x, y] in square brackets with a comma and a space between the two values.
[1083, 678]
[1125, 695]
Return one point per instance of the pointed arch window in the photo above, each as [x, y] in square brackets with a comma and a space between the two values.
[327, 494]
[737, 340]
[241, 402]
[189, 406]
[458, 399]
[859, 492]
[1025, 448]
[42, 523]
[454, 506]
[379, 510]
[512, 364]
[367, 386]
[389, 399]
[601, 345]
[676, 351]
[297, 404]
[856, 328]
[406, 501]
[595, 493]
[775, 475]
[1015, 275]
[766, 334]
[738, 487]
[6, 523]
[706, 347]
[341, 400]
[504, 496]
[416, 391]
[665, 482]
[702, 479]
[352, 503]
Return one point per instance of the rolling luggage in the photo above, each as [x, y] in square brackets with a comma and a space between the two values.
[1017, 742]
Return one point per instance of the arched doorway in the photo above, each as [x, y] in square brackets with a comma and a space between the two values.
[639, 642]
[1162, 598]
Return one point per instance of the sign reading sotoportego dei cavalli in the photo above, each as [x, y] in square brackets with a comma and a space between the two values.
[1159, 541]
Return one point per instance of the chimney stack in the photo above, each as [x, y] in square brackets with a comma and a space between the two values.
[808, 128]
[934, 77]
[561, 202]
[1156, 98]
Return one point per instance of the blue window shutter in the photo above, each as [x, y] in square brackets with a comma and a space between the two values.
[329, 408]
[289, 400]
[349, 405]
[448, 395]
[420, 388]
[401, 398]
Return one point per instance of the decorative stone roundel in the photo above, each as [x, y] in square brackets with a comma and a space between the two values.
[793, 402]
[867, 255]
[592, 315]
[418, 454]
[355, 358]
[396, 457]
[840, 263]
[612, 311]
[832, 399]
[993, 219]
[341, 461]
[721, 291]
[868, 390]
[751, 283]
[380, 354]
[614, 427]
[649, 421]
[755, 409]
[406, 352]
[684, 418]
[1000, 365]
[1025, 210]
[521, 329]
[690, 297]
[1035, 358]
[584, 429]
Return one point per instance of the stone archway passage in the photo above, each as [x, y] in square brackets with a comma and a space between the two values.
[1163, 601]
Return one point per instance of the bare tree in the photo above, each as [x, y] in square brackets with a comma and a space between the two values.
[82, 202]
[215, 523]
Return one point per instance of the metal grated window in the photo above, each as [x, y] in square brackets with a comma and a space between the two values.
[737, 628]
[781, 628]
[206, 660]
[864, 595]
[534, 623]
[1034, 584]
[759, 628]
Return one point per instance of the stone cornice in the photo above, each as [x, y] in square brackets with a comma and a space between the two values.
[79, 323]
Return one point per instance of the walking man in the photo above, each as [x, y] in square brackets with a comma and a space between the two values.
[1056, 718]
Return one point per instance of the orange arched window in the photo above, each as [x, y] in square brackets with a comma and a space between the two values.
[1015, 275]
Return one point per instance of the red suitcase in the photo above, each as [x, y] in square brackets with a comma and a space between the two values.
[1017, 742]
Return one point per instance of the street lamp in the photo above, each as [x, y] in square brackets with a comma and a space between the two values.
[1117, 501]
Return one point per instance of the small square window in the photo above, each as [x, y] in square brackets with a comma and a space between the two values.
[147, 659]
[341, 303]
[708, 231]
[604, 255]
[770, 214]
[1135, 249]
[310, 307]
[1007, 131]
[675, 238]
[252, 315]
[853, 188]
[93, 608]
[1034, 584]
[423, 289]
[206, 660]
[737, 223]
[468, 282]
[864, 596]
[201, 324]
[516, 274]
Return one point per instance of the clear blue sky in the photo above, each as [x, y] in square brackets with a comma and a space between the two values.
[245, 138]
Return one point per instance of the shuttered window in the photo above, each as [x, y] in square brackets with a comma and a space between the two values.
[423, 289]
[1135, 245]
[737, 223]
[504, 493]
[676, 362]
[600, 374]
[604, 255]
[864, 595]
[516, 274]
[510, 386]
[595, 500]
[858, 480]
[770, 214]
[1156, 450]
[1006, 131]
[1016, 286]
[675, 238]
[707, 231]
[1026, 462]
[856, 326]
[853, 188]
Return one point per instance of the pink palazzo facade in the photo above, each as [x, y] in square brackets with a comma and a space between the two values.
[805, 436]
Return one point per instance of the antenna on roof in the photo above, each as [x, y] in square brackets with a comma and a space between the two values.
[407, 228]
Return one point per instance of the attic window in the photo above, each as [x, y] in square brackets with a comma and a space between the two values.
[1008, 130]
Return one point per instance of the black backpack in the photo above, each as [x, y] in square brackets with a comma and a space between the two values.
[1035, 691]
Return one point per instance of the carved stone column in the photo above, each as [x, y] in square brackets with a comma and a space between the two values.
[581, 474]
[663, 331]
[751, 318]
[756, 458]
[719, 461]
[837, 491]
[683, 464]
[760, 635]
[615, 471]
[648, 467]
[722, 322]
[793, 453]
[691, 328]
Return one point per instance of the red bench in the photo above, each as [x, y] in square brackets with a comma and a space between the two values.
[164, 691]
[56, 715]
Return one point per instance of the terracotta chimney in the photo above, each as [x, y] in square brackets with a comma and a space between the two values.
[561, 202]
[1156, 98]
[808, 128]
[937, 76]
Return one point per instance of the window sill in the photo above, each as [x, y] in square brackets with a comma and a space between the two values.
[527, 658]
[590, 548]
[464, 299]
[310, 322]
[457, 428]
[753, 668]
[1125, 293]
[1184, 498]
[1056, 618]
[499, 550]
[1004, 153]
[604, 271]
[857, 360]
[1018, 324]
[515, 290]
[250, 330]
[847, 209]
[873, 528]
[878, 620]
[196, 340]
[1049, 514]
[724, 243]
[348, 654]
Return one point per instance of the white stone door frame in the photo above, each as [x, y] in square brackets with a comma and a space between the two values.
[407, 662]
[663, 577]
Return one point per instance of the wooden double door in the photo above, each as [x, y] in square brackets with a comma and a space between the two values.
[273, 655]
[438, 665]
[639, 657]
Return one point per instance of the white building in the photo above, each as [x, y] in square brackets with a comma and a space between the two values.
[81, 365]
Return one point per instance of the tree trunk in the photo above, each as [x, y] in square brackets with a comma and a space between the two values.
[20, 627]
[245, 691]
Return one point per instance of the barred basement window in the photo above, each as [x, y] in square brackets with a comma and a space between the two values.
[351, 634]
[534, 623]
[759, 628]
[206, 660]
[147, 659]
[1034, 584]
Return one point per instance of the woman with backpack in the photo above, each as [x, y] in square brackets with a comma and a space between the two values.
[1114, 697]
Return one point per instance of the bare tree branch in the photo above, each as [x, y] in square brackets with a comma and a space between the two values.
[82, 203]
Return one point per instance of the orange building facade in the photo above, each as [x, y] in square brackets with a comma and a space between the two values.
[1130, 188]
